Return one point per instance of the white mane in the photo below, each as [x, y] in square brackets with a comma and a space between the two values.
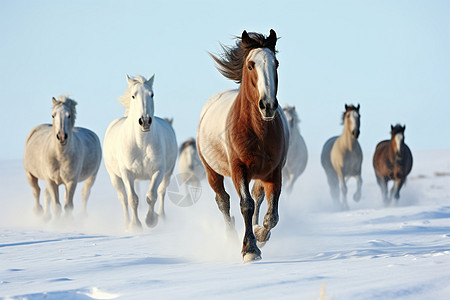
[125, 99]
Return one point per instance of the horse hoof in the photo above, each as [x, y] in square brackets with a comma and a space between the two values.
[251, 257]
[151, 220]
[38, 210]
[356, 197]
[135, 227]
[262, 235]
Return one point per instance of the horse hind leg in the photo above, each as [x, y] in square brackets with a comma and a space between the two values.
[33, 181]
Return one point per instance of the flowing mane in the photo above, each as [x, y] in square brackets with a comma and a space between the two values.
[291, 111]
[125, 99]
[69, 103]
[232, 59]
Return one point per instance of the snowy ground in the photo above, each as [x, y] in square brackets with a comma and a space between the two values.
[368, 252]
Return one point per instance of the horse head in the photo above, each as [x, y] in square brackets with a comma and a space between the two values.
[351, 119]
[63, 115]
[291, 116]
[397, 137]
[259, 72]
[140, 101]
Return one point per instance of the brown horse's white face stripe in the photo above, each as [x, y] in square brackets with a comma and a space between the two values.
[398, 141]
[264, 63]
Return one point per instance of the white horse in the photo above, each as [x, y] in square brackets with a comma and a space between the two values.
[342, 157]
[297, 156]
[189, 164]
[61, 154]
[140, 146]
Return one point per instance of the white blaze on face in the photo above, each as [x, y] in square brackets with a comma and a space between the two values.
[265, 66]
[354, 124]
[398, 141]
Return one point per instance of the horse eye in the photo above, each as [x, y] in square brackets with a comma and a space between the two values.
[132, 97]
[250, 68]
[53, 116]
[68, 116]
[277, 64]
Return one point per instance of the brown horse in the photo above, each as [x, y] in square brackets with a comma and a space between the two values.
[392, 161]
[243, 134]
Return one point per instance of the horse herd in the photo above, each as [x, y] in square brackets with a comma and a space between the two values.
[243, 134]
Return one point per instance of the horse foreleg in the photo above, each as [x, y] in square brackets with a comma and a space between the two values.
[250, 250]
[395, 191]
[162, 193]
[152, 195]
[86, 191]
[272, 190]
[258, 196]
[117, 182]
[343, 183]
[33, 181]
[382, 182]
[52, 189]
[68, 203]
[47, 199]
[357, 195]
[133, 201]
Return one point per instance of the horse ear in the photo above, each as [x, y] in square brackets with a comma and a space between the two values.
[272, 39]
[357, 108]
[392, 128]
[403, 128]
[129, 80]
[346, 107]
[149, 82]
[54, 101]
[245, 38]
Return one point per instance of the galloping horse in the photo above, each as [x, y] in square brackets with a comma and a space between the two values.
[61, 154]
[297, 156]
[140, 146]
[392, 160]
[342, 157]
[189, 164]
[243, 134]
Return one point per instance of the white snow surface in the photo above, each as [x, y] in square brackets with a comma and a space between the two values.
[315, 252]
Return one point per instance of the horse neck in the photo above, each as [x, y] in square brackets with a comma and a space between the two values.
[247, 113]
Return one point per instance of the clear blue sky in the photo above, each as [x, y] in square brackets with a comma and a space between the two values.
[392, 57]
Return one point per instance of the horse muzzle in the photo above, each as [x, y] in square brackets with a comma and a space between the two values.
[145, 122]
[268, 112]
[62, 138]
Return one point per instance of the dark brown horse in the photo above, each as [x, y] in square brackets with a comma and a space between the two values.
[243, 134]
[392, 161]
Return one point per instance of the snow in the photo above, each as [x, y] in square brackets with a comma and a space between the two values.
[367, 252]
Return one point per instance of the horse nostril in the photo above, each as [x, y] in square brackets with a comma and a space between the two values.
[57, 137]
[65, 136]
[275, 105]
[150, 121]
[141, 122]
[261, 104]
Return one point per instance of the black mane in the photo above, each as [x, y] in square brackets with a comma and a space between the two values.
[231, 61]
